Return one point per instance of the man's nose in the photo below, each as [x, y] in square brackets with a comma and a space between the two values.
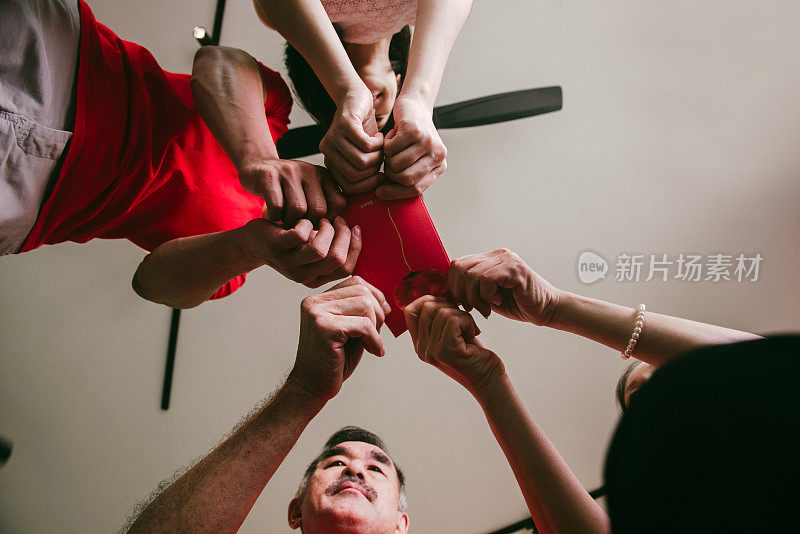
[355, 469]
[375, 97]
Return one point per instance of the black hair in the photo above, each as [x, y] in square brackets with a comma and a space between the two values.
[711, 444]
[623, 383]
[310, 92]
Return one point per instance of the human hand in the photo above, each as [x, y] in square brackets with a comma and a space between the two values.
[293, 190]
[500, 281]
[446, 337]
[335, 328]
[352, 146]
[302, 254]
[414, 152]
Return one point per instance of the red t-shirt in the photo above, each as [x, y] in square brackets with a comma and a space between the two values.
[141, 164]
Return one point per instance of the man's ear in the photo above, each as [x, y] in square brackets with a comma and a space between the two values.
[294, 514]
[402, 523]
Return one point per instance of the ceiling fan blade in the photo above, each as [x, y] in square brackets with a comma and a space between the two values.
[304, 141]
[300, 142]
[501, 107]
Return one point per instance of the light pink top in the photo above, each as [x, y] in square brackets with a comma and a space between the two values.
[368, 21]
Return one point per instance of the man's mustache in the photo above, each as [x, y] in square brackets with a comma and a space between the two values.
[367, 490]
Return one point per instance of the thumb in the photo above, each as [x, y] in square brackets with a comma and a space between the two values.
[292, 237]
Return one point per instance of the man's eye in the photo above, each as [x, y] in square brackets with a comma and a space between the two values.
[376, 468]
[335, 463]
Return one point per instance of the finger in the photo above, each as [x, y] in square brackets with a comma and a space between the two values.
[350, 264]
[273, 197]
[355, 284]
[337, 252]
[359, 159]
[316, 248]
[358, 305]
[356, 133]
[394, 191]
[473, 280]
[356, 188]
[317, 207]
[412, 313]
[403, 139]
[335, 200]
[493, 279]
[437, 330]
[294, 202]
[426, 317]
[457, 280]
[335, 160]
[406, 158]
[293, 237]
[362, 328]
[416, 172]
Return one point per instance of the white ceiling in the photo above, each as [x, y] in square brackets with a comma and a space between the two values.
[679, 133]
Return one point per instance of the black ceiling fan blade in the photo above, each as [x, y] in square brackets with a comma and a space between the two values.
[502, 107]
[300, 142]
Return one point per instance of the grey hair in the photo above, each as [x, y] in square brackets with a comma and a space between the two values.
[353, 433]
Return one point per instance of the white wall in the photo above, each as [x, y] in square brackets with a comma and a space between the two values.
[679, 133]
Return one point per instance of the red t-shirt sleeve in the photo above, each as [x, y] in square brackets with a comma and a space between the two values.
[229, 287]
[278, 104]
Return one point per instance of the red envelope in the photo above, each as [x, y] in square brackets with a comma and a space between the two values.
[402, 254]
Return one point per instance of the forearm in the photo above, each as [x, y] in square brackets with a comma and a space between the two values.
[662, 338]
[556, 499]
[229, 95]
[217, 494]
[305, 24]
[184, 272]
[437, 26]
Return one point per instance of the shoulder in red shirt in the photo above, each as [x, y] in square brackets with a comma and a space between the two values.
[142, 165]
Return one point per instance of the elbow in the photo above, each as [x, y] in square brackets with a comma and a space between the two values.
[148, 284]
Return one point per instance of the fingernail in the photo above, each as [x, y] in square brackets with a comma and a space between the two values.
[357, 231]
[387, 308]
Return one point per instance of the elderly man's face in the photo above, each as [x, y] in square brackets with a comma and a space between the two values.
[354, 489]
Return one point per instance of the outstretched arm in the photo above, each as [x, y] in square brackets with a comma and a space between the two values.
[446, 338]
[184, 272]
[500, 281]
[216, 495]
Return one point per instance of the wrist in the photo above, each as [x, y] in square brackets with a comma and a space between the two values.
[421, 93]
[299, 388]
[252, 156]
[564, 311]
[350, 87]
[488, 389]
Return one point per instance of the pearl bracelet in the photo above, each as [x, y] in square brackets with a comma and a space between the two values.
[637, 330]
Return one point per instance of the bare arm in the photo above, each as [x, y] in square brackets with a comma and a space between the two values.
[184, 272]
[556, 499]
[662, 338]
[500, 281]
[216, 495]
[437, 26]
[229, 94]
[445, 337]
[305, 24]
